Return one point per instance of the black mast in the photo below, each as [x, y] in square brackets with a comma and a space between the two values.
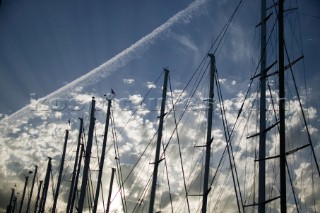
[45, 188]
[9, 207]
[33, 181]
[262, 135]
[38, 196]
[72, 186]
[282, 112]
[87, 158]
[209, 139]
[110, 189]
[60, 172]
[104, 144]
[77, 178]
[157, 156]
[24, 192]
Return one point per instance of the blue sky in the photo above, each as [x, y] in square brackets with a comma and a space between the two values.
[124, 45]
[54, 43]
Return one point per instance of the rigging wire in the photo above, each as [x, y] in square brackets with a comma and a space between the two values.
[233, 129]
[296, 92]
[218, 45]
[118, 164]
[292, 187]
[166, 170]
[304, 66]
[142, 101]
[91, 189]
[143, 194]
[52, 183]
[178, 139]
[225, 29]
[122, 129]
[179, 147]
[97, 165]
[166, 117]
[303, 114]
[227, 133]
[186, 106]
[221, 33]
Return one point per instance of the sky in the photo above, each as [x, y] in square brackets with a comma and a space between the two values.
[56, 55]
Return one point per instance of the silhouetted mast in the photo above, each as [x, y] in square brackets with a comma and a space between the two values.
[206, 189]
[60, 172]
[110, 189]
[95, 205]
[14, 203]
[72, 186]
[262, 135]
[87, 158]
[24, 192]
[157, 156]
[9, 207]
[77, 178]
[38, 196]
[45, 188]
[282, 130]
[33, 181]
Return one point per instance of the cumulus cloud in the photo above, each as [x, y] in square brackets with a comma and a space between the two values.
[133, 131]
[151, 85]
[222, 80]
[128, 80]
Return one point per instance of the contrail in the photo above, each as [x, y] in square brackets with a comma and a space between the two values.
[117, 61]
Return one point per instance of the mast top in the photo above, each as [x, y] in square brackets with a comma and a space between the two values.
[110, 95]
[211, 55]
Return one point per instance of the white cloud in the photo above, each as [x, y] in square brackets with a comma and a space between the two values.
[150, 85]
[128, 80]
[134, 130]
[119, 60]
[222, 80]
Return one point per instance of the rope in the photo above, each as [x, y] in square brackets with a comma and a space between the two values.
[119, 170]
[293, 191]
[179, 146]
[226, 133]
[303, 114]
[166, 170]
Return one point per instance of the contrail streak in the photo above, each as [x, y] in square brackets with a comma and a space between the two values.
[117, 61]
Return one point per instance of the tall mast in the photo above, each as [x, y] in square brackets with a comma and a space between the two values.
[77, 178]
[33, 181]
[104, 144]
[9, 207]
[87, 158]
[157, 156]
[24, 192]
[72, 187]
[110, 189]
[38, 196]
[282, 111]
[45, 188]
[60, 172]
[262, 135]
[209, 139]
[14, 203]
